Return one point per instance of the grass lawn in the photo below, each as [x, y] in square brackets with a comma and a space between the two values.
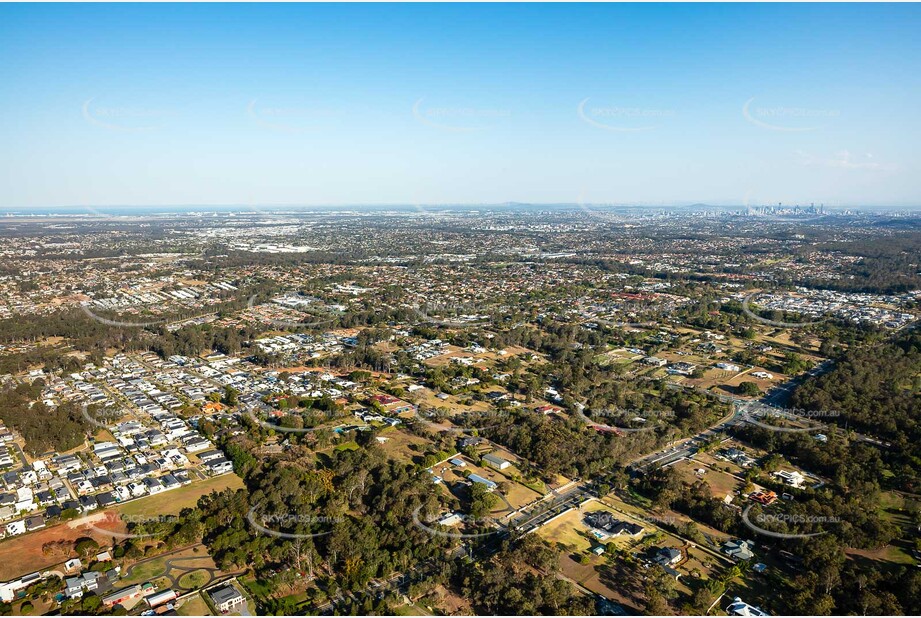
[162, 583]
[410, 610]
[569, 533]
[403, 446]
[254, 586]
[194, 579]
[708, 459]
[890, 553]
[892, 508]
[147, 571]
[194, 606]
[188, 561]
[536, 485]
[173, 501]
[596, 576]
[720, 483]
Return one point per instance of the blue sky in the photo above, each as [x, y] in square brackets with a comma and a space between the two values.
[350, 104]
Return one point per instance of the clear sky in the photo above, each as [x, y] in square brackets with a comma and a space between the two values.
[349, 104]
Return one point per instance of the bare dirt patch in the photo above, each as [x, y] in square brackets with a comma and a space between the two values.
[42, 549]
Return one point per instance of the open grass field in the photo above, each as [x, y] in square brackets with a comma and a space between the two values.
[567, 532]
[149, 570]
[482, 359]
[146, 571]
[619, 356]
[595, 575]
[720, 483]
[186, 567]
[401, 445]
[194, 606]
[194, 579]
[890, 553]
[173, 501]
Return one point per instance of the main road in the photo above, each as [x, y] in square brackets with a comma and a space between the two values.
[688, 446]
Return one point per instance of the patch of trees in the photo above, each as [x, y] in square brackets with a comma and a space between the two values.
[889, 267]
[522, 579]
[875, 390]
[345, 520]
[554, 445]
[44, 428]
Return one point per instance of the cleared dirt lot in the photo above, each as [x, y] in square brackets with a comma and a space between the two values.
[24, 554]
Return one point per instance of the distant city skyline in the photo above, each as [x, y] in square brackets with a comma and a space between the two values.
[372, 105]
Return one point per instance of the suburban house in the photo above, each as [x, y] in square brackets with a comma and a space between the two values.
[741, 608]
[668, 556]
[791, 477]
[219, 466]
[738, 549]
[764, 497]
[226, 598]
[450, 519]
[605, 525]
[739, 457]
[393, 405]
[9, 589]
